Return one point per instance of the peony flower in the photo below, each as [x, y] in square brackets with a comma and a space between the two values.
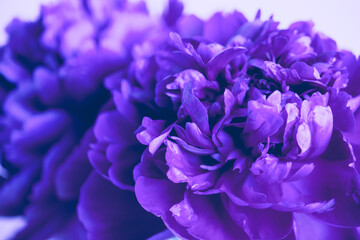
[121, 125]
[259, 148]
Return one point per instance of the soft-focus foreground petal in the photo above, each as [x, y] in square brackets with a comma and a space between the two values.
[110, 213]
[307, 227]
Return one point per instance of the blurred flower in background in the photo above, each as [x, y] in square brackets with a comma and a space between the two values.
[54, 68]
[119, 124]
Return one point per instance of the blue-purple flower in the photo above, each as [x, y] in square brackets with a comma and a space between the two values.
[223, 128]
[259, 148]
[56, 68]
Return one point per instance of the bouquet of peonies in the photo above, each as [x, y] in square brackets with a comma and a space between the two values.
[116, 124]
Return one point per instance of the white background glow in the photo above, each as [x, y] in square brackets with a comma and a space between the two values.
[337, 19]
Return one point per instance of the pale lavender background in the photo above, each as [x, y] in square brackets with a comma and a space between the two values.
[338, 19]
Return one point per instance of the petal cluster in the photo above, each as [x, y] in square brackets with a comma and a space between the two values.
[123, 125]
[260, 141]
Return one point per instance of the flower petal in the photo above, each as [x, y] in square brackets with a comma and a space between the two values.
[108, 212]
[260, 223]
[308, 227]
[204, 218]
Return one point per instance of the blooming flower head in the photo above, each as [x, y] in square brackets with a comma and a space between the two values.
[258, 148]
[224, 128]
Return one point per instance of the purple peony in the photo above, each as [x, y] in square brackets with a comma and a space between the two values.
[259, 146]
[120, 125]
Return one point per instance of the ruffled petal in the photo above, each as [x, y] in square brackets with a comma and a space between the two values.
[158, 196]
[205, 221]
